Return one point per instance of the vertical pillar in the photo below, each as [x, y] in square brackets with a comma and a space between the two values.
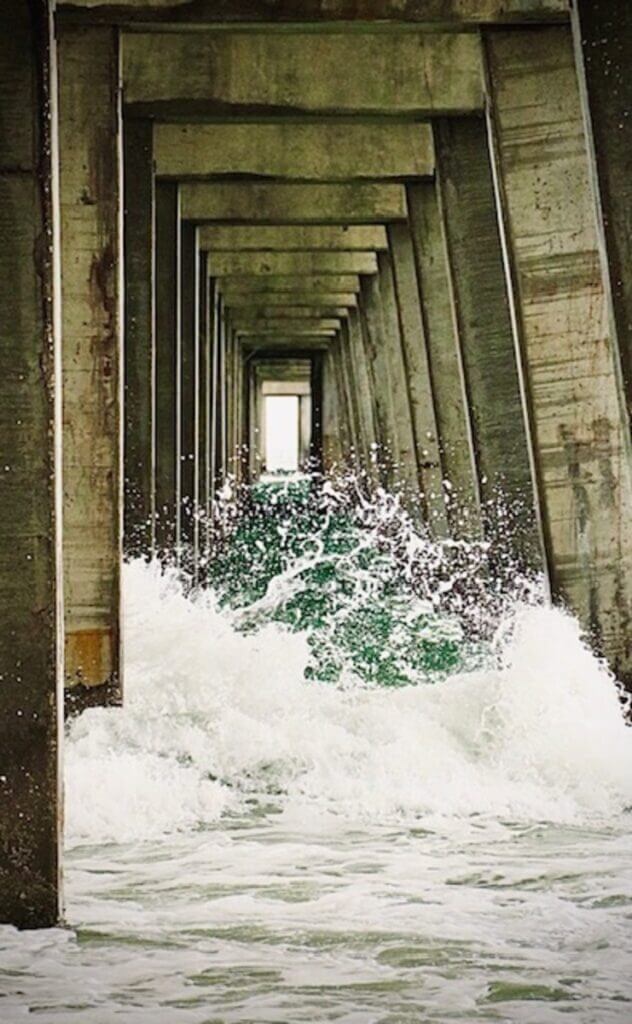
[204, 390]
[167, 305]
[381, 385]
[407, 471]
[316, 386]
[31, 700]
[422, 402]
[331, 415]
[363, 390]
[581, 437]
[603, 45]
[139, 463]
[305, 429]
[189, 402]
[91, 241]
[216, 403]
[502, 443]
[446, 370]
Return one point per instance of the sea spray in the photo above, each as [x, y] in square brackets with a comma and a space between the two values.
[339, 670]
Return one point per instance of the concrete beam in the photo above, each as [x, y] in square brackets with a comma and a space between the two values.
[168, 343]
[446, 370]
[31, 638]
[188, 538]
[245, 324]
[284, 313]
[320, 151]
[91, 203]
[293, 204]
[270, 264]
[205, 74]
[573, 380]
[298, 330]
[501, 435]
[273, 343]
[422, 401]
[294, 301]
[353, 15]
[139, 447]
[602, 31]
[291, 238]
[303, 284]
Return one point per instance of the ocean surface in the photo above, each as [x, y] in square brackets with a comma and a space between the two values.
[360, 778]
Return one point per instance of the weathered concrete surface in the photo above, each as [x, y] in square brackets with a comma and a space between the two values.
[303, 284]
[189, 394]
[580, 433]
[139, 447]
[332, 428]
[362, 388]
[446, 370]
[91, 247]
[317, 151]
[260, 314]
[267, 325]
[168, 313]
[206, 317]
[293, 204]
[422, 405]
[31, 642]
[263, 264]
[206, 73]
[603, 47]
[243, 298]
[387, 15]
[501, 440]
[292, 238]
[372, 325]
[404, 442]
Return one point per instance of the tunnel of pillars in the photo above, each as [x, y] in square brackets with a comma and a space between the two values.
[409, 219]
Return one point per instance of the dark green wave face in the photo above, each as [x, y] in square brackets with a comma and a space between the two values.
[377, 600]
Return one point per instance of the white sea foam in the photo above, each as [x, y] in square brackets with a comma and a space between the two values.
[214, 718]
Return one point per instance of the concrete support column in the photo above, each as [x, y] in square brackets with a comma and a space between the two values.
[603, 48]
[206, 306]
[363, 390]
[216, 399]
[316, 387]
[370, 309]
[581, 437]
[331, 416]
[415, 355]
[407, 469]
[167, 305]
[139, 513]
[31, 697]
[91, 239]
[444, 357]
[189, 401]
[502, 442]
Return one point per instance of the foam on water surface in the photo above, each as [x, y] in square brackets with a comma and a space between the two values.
[256, 838]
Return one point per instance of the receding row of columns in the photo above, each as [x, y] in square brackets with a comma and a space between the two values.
[457, 280]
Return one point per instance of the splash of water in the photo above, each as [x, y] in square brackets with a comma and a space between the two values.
[227, 712]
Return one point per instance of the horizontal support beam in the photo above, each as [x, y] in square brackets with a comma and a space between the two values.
[274, 343]
[209, 74]
[274, 332]
[291, 238]
[298, 299]
[266, 264]
[285, 313]
[328, 151]
[277, 15]
[304, 284]
[245, 324]
[293, 204]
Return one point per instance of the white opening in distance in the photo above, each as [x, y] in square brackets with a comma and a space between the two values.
[281, 433]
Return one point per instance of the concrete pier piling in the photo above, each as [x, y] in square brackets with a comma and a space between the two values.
[31, 639]
[411, 218]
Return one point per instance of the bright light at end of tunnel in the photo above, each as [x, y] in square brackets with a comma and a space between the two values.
[282, 433]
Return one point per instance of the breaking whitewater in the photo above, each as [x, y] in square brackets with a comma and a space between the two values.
[360, 776]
